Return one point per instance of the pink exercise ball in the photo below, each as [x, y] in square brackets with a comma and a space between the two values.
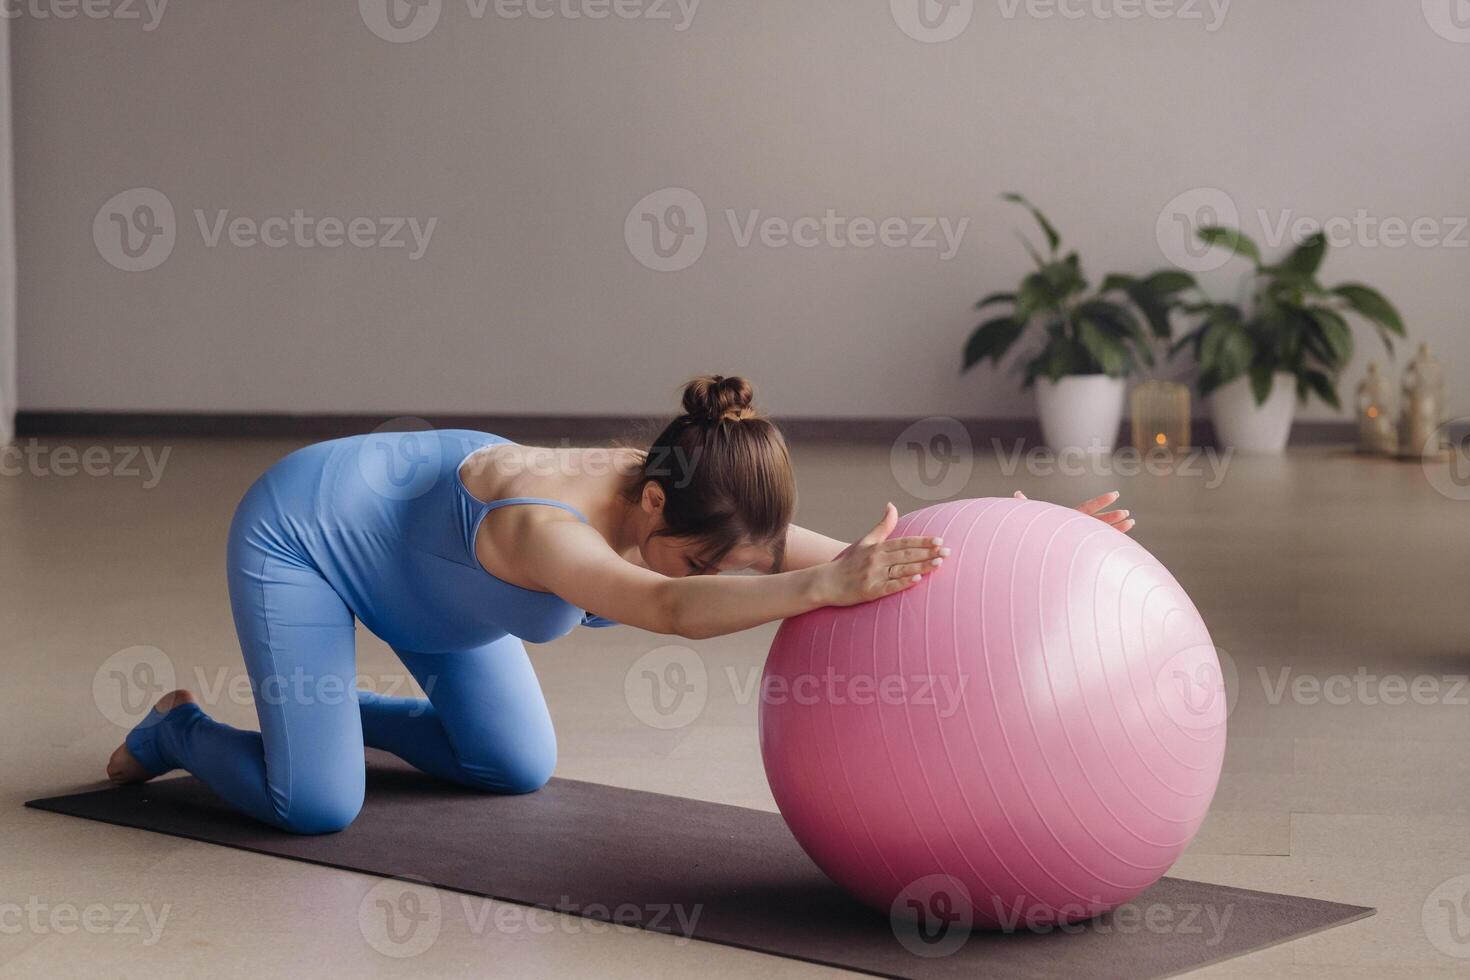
[1028, 738]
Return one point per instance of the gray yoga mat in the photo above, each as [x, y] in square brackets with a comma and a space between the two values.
[718, 873]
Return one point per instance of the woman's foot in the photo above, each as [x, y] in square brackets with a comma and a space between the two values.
[122, 767]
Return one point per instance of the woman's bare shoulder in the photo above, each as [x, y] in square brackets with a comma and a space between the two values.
[500, 471]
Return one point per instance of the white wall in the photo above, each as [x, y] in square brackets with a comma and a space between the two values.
[530, 140]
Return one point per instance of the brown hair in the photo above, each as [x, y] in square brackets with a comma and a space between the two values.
[724, 470]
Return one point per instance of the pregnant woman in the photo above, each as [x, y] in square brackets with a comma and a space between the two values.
[454, 547]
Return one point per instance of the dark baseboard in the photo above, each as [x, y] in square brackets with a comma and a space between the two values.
[535, 429]
[280, 425]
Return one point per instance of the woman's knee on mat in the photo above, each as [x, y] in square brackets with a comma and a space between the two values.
[518, 769]
[319, 806]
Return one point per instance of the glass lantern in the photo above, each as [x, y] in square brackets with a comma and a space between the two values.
[1376, 431]
[1160, 411]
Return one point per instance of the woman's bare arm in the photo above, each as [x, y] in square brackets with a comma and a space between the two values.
[574, 561]
[806, 548]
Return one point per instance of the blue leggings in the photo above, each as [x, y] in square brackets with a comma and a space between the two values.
[484, 725]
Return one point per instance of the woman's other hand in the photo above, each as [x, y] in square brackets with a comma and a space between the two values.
[1098, 507]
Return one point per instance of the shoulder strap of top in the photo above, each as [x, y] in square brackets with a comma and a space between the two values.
[543, 501]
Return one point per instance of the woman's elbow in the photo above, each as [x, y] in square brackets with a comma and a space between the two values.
[676, 616]
[695, 632]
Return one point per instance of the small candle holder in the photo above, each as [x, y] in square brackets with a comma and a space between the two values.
[1376, 432]
[1160, 412]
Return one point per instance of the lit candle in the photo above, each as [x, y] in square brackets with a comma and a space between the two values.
[1375, 426]
[1160, 412]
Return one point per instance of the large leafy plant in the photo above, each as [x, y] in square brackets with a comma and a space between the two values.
[1109, 330]
[1290, 322]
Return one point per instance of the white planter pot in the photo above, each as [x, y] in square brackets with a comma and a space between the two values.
[1246, 427]
[1081, 412]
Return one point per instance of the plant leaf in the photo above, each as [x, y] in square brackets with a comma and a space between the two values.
[1065, 277]
[994, 298]
[1305, 259]
[1227, 313]
[1031, 250]
[1118, 320]
[1156, 312]
[1060, 357]
[1190, 339]
[1167, 282]
[1034, 296]
[1115, 319]
[1154, 296]
[1369, 303]
[1031, 371]
[1322, 385]
[1232, 239]
[1260, 383]
[1208, 382]
[1337, 334]
[1052, 238]
[1226, 349]
[992, 339]
[1110, 353]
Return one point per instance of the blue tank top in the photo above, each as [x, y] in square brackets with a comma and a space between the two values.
[389, 523]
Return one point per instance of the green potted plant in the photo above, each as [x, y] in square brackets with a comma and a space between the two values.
[1288, 340]
[1090, 339]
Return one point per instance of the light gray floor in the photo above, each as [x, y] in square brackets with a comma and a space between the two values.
[1318, 565]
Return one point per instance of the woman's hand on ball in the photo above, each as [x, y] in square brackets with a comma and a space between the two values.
[877, 565]
[1098, 507]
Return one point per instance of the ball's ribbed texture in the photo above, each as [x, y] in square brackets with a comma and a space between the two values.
[1036, 723]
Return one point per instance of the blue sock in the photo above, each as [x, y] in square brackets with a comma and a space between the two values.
[144, 742]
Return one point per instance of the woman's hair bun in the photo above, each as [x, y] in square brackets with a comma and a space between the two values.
[715, 398]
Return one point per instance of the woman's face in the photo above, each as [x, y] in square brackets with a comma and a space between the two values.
[679, 557]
